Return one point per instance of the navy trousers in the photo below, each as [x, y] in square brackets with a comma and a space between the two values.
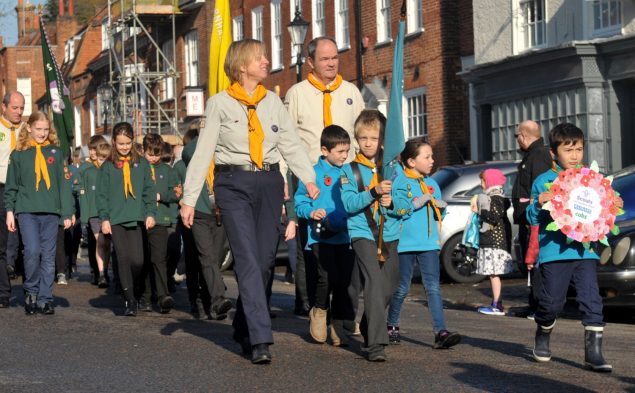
[555, 279]
[251, 205]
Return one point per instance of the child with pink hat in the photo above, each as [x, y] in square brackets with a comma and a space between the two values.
[493, 258]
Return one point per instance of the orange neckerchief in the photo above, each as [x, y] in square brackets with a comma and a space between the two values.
[154, 176]
[96, 163]
[411, 174]
[256, 133]
[363, 160]
[210, 177]
[12, 128]
[328, 118]
[41, 170]
[127, 183]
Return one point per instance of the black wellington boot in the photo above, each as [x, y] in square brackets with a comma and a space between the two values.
[593, 358]
[541, 351]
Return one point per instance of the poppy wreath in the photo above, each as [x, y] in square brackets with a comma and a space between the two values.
[583, 205]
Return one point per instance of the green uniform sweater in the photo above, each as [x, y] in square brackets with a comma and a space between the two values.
[112, 204]
[165, 181]
[88, 193]
[20, 195]
[203, 204]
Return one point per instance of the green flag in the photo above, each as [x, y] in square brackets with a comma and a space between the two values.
[58, 96]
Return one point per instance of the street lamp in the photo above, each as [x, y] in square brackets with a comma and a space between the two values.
[106, 95]
[297, 28]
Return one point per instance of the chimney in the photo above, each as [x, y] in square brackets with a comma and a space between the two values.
[60, 7]
[70, 8]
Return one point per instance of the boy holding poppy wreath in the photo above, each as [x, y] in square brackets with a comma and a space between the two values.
[561, 261]
[328, 238]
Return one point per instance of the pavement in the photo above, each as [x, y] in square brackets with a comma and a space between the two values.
[87, 346]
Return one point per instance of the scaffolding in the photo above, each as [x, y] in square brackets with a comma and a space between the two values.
[143, 76]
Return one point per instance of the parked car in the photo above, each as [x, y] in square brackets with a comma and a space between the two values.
[458, 184]
[616, 272]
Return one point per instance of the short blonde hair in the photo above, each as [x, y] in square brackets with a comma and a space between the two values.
[239, 54]
[370, 118]
[103, 150]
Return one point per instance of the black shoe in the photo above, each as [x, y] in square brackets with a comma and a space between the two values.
[445, 339]
[102, 283]
[4, 303]
[30, 304]
[394, 338]
[144, 306]
[376, 353]
[166, 303]
[302, 310]
[289, 277]
[218, 311]
[131, 309]
[260, 354]
[244, 342]
[198, 310]
[48, 309]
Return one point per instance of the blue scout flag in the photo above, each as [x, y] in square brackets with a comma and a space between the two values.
[394, 141]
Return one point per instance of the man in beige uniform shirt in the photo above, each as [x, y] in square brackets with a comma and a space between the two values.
[322, 99]
[10, 125]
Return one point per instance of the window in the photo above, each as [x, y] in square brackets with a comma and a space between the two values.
[167, 84]
[607, 16]
[237, 28]
[341, 25]
[105, 41]
[319, 29]
[416, 113]
[383, 21]
[276, 35]
[532, 23]
[294, 49]
[77, 115]
[191, 58]
[414, 22]
[257, 32]
[92, 114]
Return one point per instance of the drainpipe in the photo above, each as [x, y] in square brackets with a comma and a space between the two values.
[358, 33]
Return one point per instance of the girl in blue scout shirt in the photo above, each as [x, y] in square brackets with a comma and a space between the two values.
[368, 203]
[126, 200]
[35, 194]
[417, 199]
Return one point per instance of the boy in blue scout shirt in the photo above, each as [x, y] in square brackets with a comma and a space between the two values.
[562, 262]
[328, 238]
[367, 200]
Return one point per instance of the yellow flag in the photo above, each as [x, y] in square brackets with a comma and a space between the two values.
[218, 46]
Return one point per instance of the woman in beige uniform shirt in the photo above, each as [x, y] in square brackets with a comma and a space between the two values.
[247, 131]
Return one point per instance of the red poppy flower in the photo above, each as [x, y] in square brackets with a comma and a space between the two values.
[50, 160]
[328, 180]
[68, 176]
[566, 229]
[585, 180]
[119, 164]
[431, 189]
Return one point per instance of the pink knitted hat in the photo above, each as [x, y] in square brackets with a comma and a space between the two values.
[493, 177]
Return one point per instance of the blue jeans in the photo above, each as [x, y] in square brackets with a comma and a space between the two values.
[430, 270]
[39, 236]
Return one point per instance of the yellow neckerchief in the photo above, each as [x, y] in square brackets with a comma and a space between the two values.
[210, 177]
[326, 106]
[127, 183]
[96, 163]
[412, 174]
[363, 160]
[41, 170]
[154, 176]
[256, 133]
[12, 128]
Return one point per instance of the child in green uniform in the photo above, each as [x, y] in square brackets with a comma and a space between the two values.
[126, 200]
[35, 195]
[90, 215]
[157, 237]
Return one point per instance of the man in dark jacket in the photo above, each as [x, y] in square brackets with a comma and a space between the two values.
[537, 160]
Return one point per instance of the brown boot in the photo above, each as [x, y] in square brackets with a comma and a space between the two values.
[317, 324]
[338, 334]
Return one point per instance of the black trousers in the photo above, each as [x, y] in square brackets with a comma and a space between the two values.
[335, 264]
[251, 204]
[5, 284]
[156, 262]
[380, 282]
[128, 244]
[196, 286]
[92, 252]
[210, 239]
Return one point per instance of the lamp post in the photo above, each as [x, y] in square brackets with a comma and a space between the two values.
[297, 29]
[106, 95]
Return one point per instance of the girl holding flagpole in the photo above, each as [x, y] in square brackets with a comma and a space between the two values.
[247, 132]
[37, 195]
[126, 200]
